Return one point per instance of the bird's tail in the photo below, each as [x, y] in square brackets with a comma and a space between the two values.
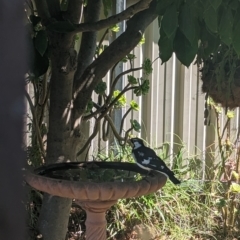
[174, 179]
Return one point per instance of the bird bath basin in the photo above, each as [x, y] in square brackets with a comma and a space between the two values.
[95, 186]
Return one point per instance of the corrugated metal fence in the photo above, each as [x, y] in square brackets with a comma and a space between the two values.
[173, 110]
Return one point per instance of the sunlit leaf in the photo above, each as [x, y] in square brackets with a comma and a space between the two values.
[134, 105]
[115, 28]
[230, 114]
[234, 187]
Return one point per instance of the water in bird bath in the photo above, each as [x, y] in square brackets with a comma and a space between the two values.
[93, 173]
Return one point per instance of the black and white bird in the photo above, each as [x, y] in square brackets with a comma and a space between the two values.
[146, 158]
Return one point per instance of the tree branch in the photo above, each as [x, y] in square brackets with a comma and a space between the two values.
[75, 11]
[124, 15]
[54, 8]
[117, 78]
[95, 131]
[117, 50]
[89, 39]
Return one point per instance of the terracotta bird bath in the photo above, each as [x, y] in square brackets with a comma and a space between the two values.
[95, 186]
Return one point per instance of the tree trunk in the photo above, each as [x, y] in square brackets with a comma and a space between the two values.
[61, 142]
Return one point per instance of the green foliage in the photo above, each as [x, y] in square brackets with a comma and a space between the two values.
[114, 28]
[129, 57]
[143, 87]
[89, 106]
[187, 25]
[135, 125]
[134, 105]
[132, 80]
[121, 102]
[100, 88]
[147, 66]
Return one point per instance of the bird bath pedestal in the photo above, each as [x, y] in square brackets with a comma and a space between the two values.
[95, 186]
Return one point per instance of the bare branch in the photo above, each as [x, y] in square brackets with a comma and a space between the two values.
[111, 124]
[123, 118]
[124, 15]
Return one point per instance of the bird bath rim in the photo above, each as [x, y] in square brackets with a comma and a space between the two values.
[95, 191]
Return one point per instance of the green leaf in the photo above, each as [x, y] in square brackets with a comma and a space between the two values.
[100, 88]
[230, 114]
[234, 188]
[89, 106]
[134, 105]
[115, 28]
[121, 101]
[132, 80]
[185, 51]
[170, 21]
[165, 46]
[61, 27]
[107, 5]
[215, 3]
[236, 38]
[142, 41]
[211, 19]
[163, 5]
[131, 56]
[41, 42]
[135, 124]
[147, 66]
[226, 26]
[188, 23]
[143, 88]
[40, 64]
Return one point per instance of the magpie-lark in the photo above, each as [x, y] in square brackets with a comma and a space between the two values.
[146, 158]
